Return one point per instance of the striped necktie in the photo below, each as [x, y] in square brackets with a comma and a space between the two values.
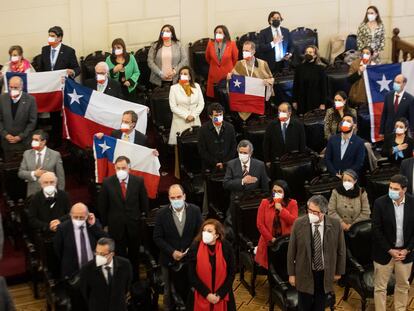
[317, 250]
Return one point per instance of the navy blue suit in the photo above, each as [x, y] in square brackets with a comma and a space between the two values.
[389, 116]
[353, 158]
[266, 51]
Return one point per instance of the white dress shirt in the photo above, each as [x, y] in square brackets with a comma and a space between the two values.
[105, 272]
[277, 46]
[102, 87]
[344, 146]
[287, 124]
[42, 159]
[179, 214]
[131, 136]
[54, 59]
[77, 232]
[399, 221]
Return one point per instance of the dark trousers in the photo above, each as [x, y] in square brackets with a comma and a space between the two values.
[277, 67]
[128, 247]
[317, 301]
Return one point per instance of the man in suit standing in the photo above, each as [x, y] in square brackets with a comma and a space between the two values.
[407, 169]
[39, 160]
[123, 202]
[18, 118]
[345, 150]
[316, 255]
[103, 83]
[216, 140]
[397, 104]
[283, 135]
[275, 43]
[393, 243]
[105, 281]
[175, 228]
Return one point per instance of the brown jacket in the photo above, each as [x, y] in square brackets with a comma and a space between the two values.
[357, 93]
[349, 210]
[299, 258]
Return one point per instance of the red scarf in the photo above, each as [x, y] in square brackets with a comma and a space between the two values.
[204, 272]
[21, 66]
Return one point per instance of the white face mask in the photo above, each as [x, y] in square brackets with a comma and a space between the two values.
[51, 39]
[118, 52]
[339, 104]
[244, 157]
[348, 185]
[14, 59]
[100, 260]
[78, 223]
[35, 144]
[49, 190]
[399, 130]
[247, 55]
[121, 174]
[166, 34]
[184, 78]
[207, 237]
[14, 93]
[219, 36]
[125, 127]
[371, 17]
[100, 77]
[313, 218]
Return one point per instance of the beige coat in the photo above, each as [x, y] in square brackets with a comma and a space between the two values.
[349, 210]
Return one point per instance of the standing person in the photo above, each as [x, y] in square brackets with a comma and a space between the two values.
[393, 243]
[17, 62]
[316, 255]
[221, 55]
[103, 83]
[165, 57]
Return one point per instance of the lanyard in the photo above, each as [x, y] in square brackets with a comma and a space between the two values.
[247, 69]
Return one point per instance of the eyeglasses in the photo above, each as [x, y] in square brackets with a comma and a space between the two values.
[314, 212]
[102, 254]
[78, 217]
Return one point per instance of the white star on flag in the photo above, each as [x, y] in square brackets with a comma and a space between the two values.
[104, 147]
[74, 97]
[384, 83]
[237, 83]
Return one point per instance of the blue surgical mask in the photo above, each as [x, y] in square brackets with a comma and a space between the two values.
[396, 87]
[177, 204]
[393, 194]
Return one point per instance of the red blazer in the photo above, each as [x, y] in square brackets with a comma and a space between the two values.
[219, 70]
[265, 216]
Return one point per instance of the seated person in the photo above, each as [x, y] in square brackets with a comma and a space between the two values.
[275, 218]
[17, 62]
[398, 145]
[216, 140]
[345, 150]
[283, 135]
[349, 202]
[103, 83]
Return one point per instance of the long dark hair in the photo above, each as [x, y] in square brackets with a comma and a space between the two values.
[378, 19]
[337, 116]
[406, 124]
[282, 184]
[121, 42]
[191, 80]
[159, 43]
[225, 32]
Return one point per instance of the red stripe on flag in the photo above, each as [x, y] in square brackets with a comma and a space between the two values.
[377, 119]
[48, 102]
[246, 103]
[81, 130]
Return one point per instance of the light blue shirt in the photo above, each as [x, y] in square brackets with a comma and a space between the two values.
[344, 146]
[399, 221]
[278, 46]
[131, 137]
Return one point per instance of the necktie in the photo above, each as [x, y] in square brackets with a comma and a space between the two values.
[109, 275]
[52, 63]
[396, 102]
[317, 250]
[123, 189]
[126, 137]
[84, 253]
[245, 171]
[39, 160]
[284, 128]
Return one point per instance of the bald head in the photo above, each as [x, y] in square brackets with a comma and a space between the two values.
[79, 211]
[399, 83]
[15, 87]
[16, 81]
[176, 191]
[48, 179]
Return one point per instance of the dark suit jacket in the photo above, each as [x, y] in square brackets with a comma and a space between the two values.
[166, 235]
[354, 156]
[65, 245]
[113, 88]
[406, 169]
[40, 214]
[273, 144]
[98, 295]
[234, 173]
[216, 148]
[384, 229]
[266, 51]
[299, 257]
[140, 139]
[389, 116]
[119, 214]
[389, 143]
[65, 60]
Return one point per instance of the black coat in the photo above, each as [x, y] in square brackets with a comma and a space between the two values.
[389, 116]
[197, 284]
[389, 143]
[40, 213]
[273, 144]
[265, 49]
[309, 87]
[166, 235]
[406, 169]
[98, 295]
[384, 229]
[65, 60]
[216, 148]
[113, 88]
[64, 243]
[139, 139]
[119, 214]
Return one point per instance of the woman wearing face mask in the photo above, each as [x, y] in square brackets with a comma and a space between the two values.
[371, 32]
[309, 83]
[275, 218]
[17, 62]
[349, 202]
[165, 57]
[123, 68]
[222, 55]
[398, 145]
[335, 114]
[211, 270]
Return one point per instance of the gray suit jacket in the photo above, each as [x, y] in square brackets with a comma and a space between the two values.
[299, 258]
[25, 119]
[179, 59]
[52, 163]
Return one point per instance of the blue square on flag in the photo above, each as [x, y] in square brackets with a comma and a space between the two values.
[105, 147]
[76, 97]
[237, 84]
[381, 78]
[22, 75]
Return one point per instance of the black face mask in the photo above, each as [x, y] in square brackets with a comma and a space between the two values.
[275, 23]
[308, 58]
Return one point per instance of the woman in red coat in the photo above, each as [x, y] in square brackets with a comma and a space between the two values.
[221, 54]
[275, 218]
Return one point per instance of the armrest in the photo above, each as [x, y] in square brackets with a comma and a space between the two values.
[273, 276]
[247, 244]
[355, 265]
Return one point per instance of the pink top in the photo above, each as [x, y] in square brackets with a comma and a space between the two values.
[166, 60]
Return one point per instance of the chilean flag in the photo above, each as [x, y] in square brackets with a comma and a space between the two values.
[46, 87]
[378, 82]
[88, 112]
[247, 94]
[143, 162]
